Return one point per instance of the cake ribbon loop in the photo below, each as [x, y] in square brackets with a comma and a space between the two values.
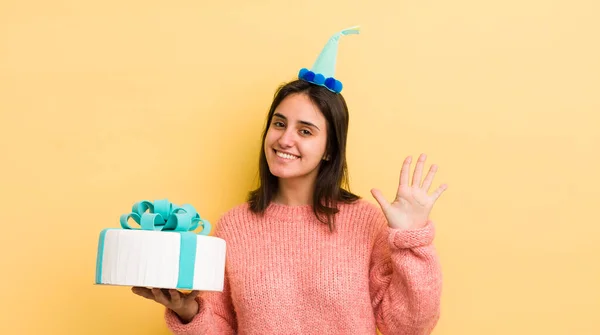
[162, 215]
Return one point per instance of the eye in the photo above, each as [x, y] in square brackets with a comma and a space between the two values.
[305, 132]
[278, 124]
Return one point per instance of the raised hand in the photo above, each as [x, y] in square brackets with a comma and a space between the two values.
[412, 205]
[182, 304]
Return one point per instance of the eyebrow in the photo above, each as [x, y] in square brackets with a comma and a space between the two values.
[303, 122]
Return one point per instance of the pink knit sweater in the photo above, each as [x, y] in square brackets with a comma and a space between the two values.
[287, 274]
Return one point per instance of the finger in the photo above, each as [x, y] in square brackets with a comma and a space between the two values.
[192, 295]
[429, 177]
[380, 199]
[175, 297]
[438, 192]
[144, 292]
[160, 297]
[416, 181]
[405, 171]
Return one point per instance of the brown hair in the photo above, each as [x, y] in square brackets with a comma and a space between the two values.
[332, 185]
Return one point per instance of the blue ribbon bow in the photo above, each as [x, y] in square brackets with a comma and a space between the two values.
[165, 216]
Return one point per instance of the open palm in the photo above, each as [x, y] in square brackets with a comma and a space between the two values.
[412, 205]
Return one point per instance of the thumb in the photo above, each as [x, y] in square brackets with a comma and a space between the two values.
[192, 295]
[380, 198]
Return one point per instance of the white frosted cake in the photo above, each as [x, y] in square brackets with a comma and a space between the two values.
[163, 252]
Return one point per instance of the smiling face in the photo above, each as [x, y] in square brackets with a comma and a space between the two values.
[296, 140]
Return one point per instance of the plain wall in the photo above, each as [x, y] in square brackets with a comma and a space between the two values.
[105, 103]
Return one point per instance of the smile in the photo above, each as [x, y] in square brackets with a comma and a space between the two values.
[286, 156]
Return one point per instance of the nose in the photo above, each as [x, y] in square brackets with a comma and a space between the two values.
[286, 139]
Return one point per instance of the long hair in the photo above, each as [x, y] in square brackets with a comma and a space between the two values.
[332, 184]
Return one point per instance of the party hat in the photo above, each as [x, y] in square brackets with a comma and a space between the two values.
[322, 72]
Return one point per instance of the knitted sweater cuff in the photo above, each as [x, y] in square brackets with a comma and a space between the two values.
[406, 239]
[175, 324]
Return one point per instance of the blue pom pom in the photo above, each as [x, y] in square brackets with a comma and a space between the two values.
[333, 85]
[302, 72]
[319, 79]
[338, 86]
[330, 83]
[309, 76]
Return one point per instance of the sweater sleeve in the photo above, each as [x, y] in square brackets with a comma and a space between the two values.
[405, 280]
[215, 316]
[216, 313]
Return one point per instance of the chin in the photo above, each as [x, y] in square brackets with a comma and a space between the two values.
[290, 173]
[280, 173]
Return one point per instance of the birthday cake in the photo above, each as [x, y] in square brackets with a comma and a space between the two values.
[163, 252]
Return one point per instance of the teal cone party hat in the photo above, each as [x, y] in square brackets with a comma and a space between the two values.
[322, 72]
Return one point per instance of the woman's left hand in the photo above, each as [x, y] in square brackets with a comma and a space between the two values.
[411, 208]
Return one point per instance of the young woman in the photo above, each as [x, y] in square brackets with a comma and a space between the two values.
[307, 256]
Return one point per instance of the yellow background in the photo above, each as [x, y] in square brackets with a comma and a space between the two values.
[104, 103]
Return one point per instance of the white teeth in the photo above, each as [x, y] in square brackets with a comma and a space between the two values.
[286, 156]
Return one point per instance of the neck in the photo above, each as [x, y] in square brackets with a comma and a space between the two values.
[295, 192]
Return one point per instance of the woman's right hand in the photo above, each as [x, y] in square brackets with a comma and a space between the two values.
[183, 304]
